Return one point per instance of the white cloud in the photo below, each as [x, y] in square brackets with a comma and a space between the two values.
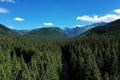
[3, 10]
[48, 24]
[19, 19]
[9, 1]
[11, 27]
[106, 18]
[40, 27]
[78, 25]
[117, 11]
[96, 18]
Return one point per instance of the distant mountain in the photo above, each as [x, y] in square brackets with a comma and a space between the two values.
[110, 28]
[95, 25]
[22, 32]
[6, 31]
[72, 32]
[47, 33]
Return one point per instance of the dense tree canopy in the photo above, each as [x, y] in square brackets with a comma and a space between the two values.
[88, 58]
[92, 57]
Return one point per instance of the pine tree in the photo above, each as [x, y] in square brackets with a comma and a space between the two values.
[2, 73]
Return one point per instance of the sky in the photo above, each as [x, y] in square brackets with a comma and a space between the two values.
[32, 14]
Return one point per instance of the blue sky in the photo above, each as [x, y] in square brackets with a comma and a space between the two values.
[31, 14]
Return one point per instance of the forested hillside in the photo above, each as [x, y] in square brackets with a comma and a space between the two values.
[6, 31]
[91, 57]
[88, 58]
[48, 33]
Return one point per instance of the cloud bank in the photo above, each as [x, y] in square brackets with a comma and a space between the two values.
[19, 19]
[96, 18]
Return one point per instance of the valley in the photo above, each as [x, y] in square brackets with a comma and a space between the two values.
[94, 55]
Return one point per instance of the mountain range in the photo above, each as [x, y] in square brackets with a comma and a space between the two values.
[93, 55]
[48, 32]
[72, 32]
[110, 28]
[57, 33]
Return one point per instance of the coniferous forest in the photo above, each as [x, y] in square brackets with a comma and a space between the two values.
[87, 57]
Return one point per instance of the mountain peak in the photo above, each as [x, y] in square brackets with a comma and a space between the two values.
[72, 32]
[48, 33]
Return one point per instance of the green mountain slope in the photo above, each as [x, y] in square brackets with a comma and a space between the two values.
[111, 28]
[6, 31]
[47, 33]
[81, 58]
